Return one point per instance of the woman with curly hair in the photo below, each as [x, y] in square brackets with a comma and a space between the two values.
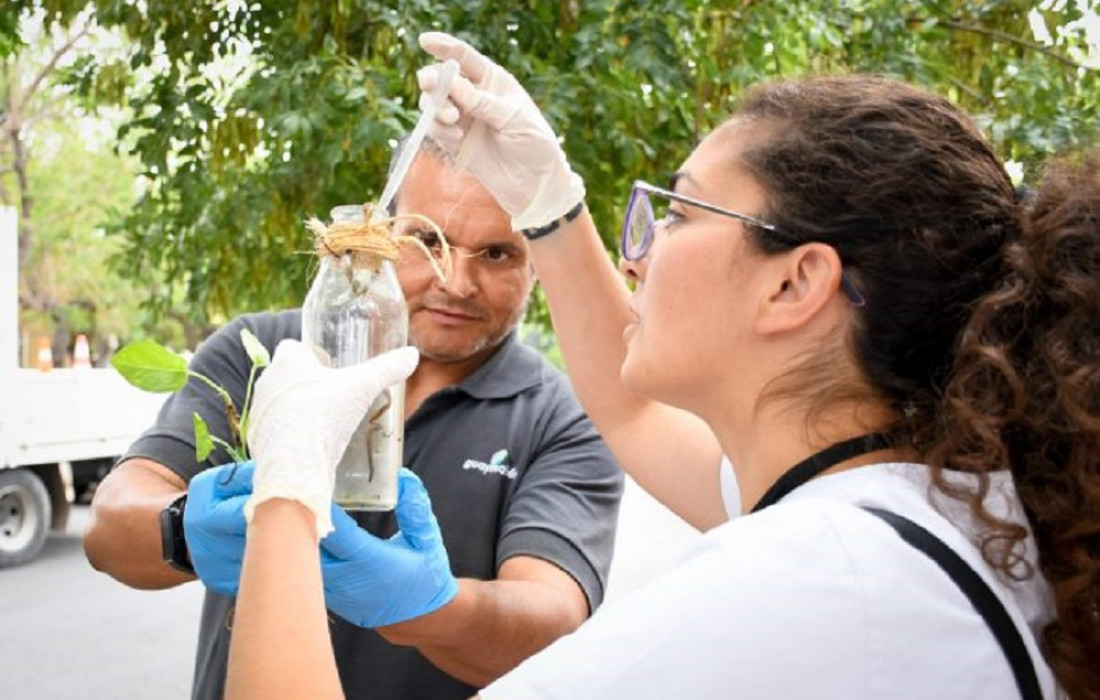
[845, 326]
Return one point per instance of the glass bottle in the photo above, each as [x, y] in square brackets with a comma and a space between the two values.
[355, 310]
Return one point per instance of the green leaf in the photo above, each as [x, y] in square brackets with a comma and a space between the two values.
[255, 349]
[150, 366]
[204, 444]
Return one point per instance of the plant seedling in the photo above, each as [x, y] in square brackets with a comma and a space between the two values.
[150, 366]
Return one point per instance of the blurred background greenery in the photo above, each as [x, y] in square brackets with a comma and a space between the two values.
[163, 154]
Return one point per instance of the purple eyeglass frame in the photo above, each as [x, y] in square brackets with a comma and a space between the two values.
[639, 194]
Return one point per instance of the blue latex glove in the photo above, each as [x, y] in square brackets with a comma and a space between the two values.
[372, 582]
[214, 524]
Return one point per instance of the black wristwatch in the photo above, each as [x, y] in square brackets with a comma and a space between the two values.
[172, 543]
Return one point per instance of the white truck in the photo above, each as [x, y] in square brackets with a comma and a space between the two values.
[60, 430]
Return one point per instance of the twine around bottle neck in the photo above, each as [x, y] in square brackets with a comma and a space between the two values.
[369, 242]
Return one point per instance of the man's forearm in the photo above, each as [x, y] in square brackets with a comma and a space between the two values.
[490, 627]
[123, 535]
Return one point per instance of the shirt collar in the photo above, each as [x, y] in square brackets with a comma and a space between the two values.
[513, 368]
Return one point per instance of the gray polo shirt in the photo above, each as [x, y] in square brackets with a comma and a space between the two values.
[512, 464]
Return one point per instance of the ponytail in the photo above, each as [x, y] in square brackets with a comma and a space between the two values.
[1026, 393]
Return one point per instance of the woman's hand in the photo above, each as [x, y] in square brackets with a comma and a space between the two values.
[303, 416]
[493, 128]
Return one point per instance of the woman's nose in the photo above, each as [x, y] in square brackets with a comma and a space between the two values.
[632, 270]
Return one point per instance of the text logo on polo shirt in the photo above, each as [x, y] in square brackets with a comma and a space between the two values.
[497, 464]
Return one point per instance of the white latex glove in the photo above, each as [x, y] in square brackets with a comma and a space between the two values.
[303, 415]
[493, 129]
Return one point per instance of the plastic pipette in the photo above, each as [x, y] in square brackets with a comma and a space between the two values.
[412, 146]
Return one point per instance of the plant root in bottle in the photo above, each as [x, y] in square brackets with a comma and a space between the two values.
[355, 310]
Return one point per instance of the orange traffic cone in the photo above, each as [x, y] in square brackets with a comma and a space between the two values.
[82, 356]
[44, 356]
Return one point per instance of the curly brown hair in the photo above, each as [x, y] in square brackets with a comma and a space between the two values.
[980, 329]
[1027, 389]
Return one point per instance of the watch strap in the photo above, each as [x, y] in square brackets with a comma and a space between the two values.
[172, 541]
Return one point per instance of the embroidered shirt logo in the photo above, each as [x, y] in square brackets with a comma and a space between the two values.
[497, 464]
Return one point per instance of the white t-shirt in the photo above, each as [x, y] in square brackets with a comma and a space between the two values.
[731, 490]
[810, 598]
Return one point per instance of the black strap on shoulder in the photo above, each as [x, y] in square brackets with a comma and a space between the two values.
[977, 591]
[818, 462]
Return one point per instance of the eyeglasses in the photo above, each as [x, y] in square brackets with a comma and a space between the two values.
[641, 223]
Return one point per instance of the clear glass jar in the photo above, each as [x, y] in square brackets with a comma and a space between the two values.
[355, 310]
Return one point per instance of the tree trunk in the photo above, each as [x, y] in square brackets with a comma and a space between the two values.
[61, 339]
[26, 201]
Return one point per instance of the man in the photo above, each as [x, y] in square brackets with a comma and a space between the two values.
[525, 492]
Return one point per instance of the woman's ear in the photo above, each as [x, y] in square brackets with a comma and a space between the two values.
[807, 279]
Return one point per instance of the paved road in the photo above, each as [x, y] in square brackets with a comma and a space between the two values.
[72, 632]
[67, 631]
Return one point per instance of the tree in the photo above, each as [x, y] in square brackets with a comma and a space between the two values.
[23, 88]
[80, 183]
[28, 107]
[65, 180]
[260, 115]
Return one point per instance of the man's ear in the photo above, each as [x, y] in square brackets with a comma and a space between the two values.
[806, 281]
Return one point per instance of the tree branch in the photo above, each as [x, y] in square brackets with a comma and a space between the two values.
[52, 63]
[1007, 38]
[963, 87]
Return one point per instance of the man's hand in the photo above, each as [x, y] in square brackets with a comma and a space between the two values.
[494, 129]
[372, 582]
[214, 525]
[303, 416]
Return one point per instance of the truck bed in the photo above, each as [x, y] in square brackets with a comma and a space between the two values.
[67, 415]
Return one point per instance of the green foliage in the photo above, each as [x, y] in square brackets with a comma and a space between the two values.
[204, 441]
[255, 349]
[78, 187]
[10, 43]
[152, 367]
[260, 358]
[252, 118]
[59, 168]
